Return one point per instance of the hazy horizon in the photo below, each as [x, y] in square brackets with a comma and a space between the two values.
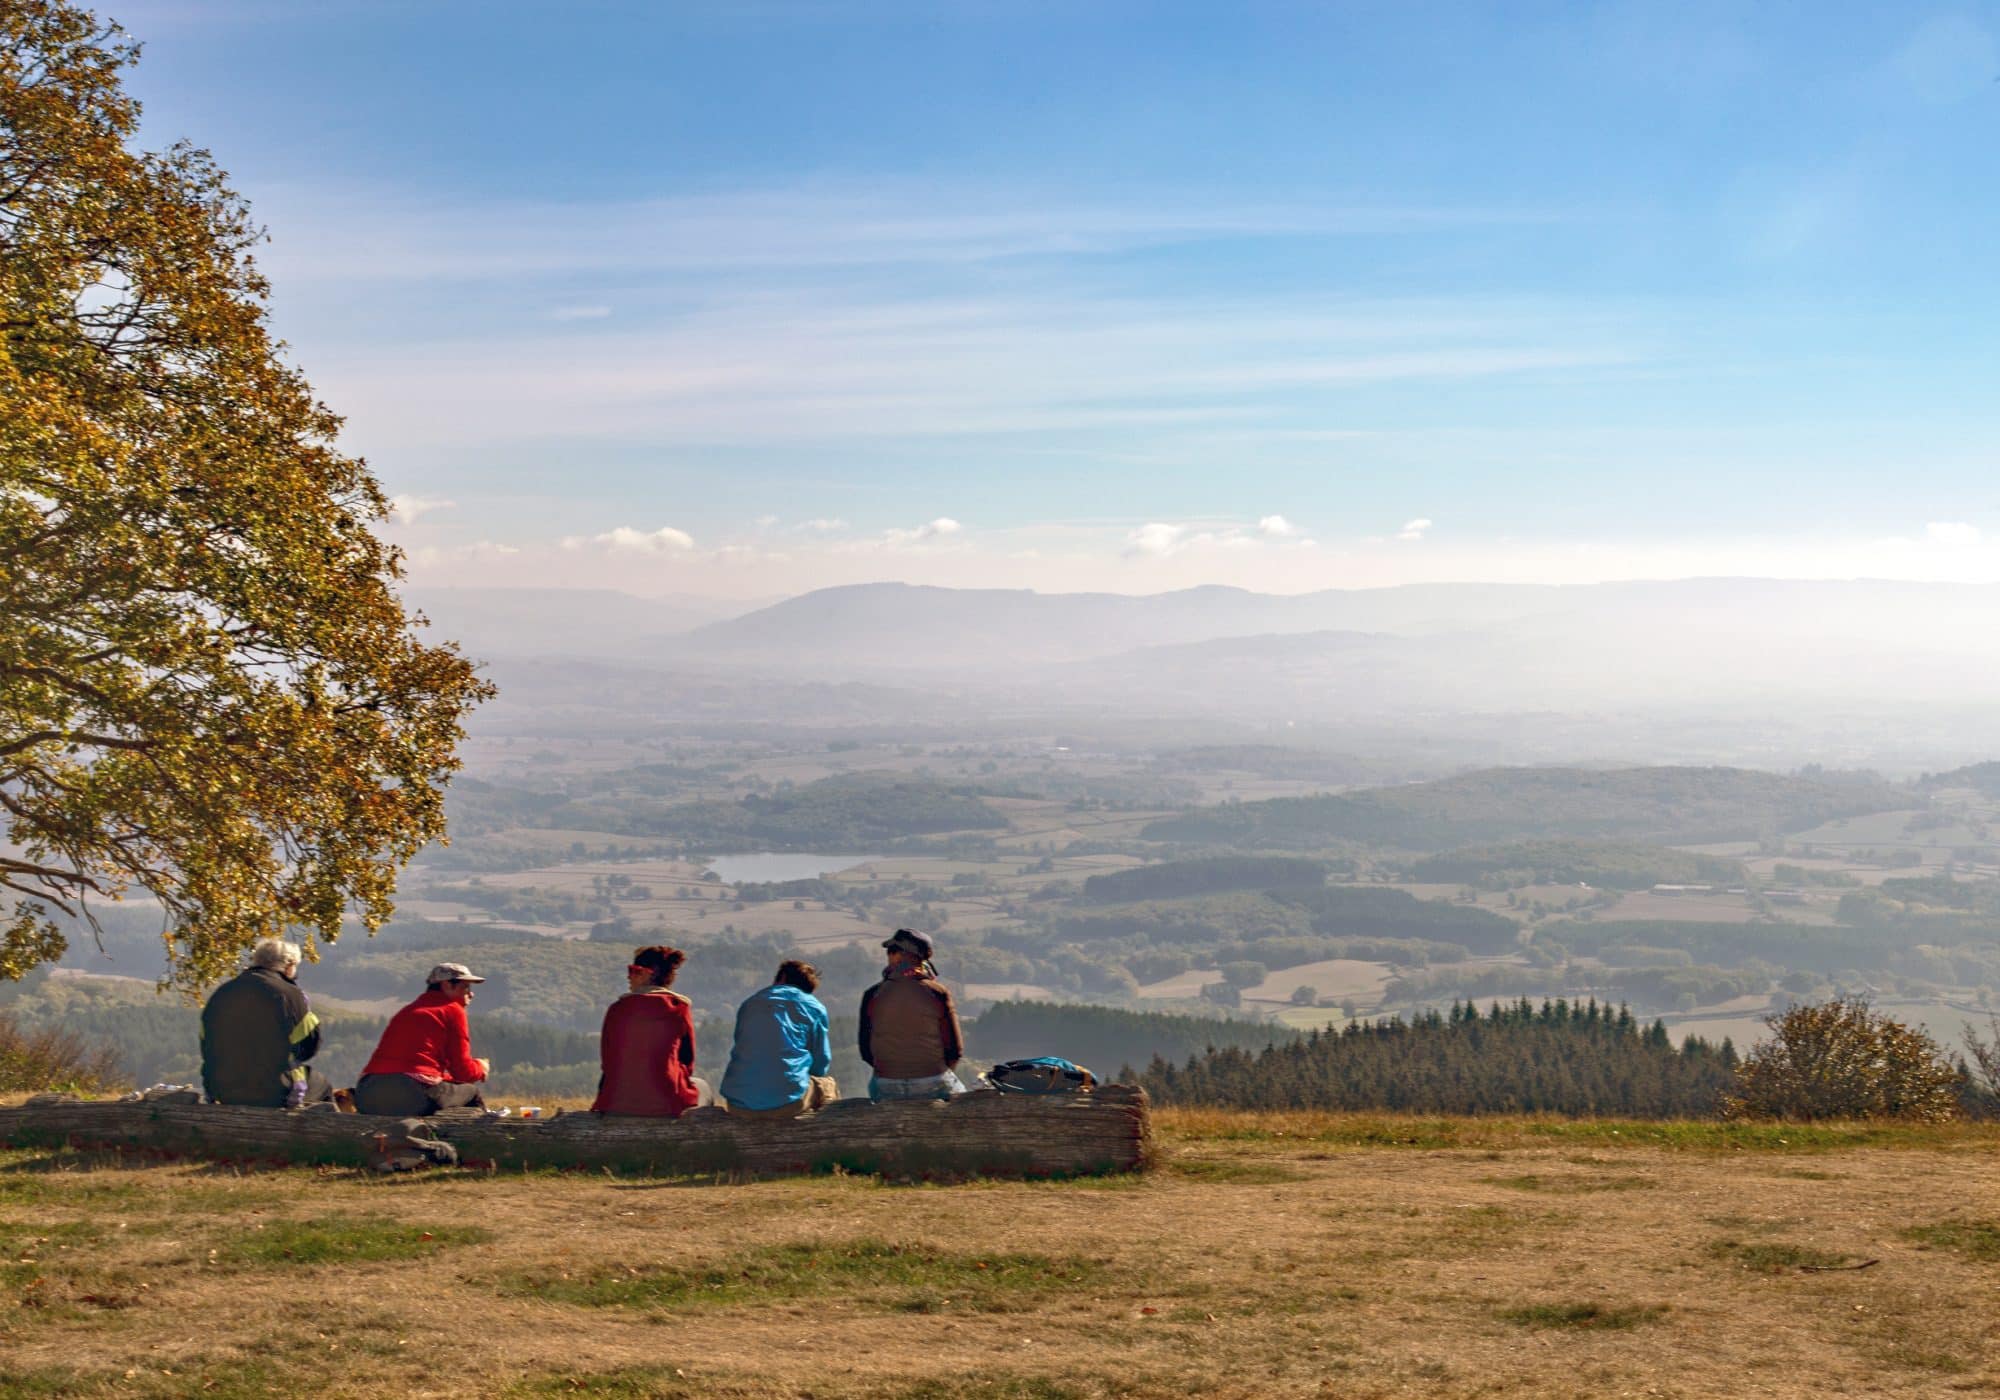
[1128, 298]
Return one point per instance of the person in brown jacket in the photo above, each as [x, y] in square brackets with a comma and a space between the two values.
[909, 1028]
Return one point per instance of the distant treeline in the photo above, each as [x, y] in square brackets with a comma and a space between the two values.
[1368, 911]
[1347, 912]
[1208, 875]
[1983, 778]
[1681, 986]
[851, 810]
[666, 803]
[1558, 1058]
[1614, 865]
[1516, 804]
[1275, 761]
[1798, 947]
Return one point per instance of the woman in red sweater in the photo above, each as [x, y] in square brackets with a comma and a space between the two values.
[648, 1044]
[424, 1061]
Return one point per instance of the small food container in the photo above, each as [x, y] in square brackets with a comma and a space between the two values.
[529, 1111]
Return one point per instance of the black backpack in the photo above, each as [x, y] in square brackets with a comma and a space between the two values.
[406, 1147]
[1044, 1074]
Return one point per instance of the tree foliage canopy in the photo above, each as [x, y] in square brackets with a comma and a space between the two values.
[1843, 1059]
[209, 689]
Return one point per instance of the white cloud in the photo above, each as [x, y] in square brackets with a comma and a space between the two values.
[1156, 538]
[1276, 527]
[825, 525]
[626, 540]
[579, 313]
[1413, 530]
[477, 552]
[765, 522]
[1952, 534]
[941, 528]
[407, 510]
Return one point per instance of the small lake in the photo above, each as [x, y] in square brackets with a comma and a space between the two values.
[769, 867]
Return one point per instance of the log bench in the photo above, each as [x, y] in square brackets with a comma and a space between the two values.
[984, 1133]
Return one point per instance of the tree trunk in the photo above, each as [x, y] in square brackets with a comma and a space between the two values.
[978, 1134]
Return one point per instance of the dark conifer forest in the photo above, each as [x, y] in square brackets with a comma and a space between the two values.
[1519, 1058]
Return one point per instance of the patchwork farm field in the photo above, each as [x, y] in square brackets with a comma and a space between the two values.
[1298, 1254]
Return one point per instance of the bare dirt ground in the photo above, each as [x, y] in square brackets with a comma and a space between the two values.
[1271, 1255]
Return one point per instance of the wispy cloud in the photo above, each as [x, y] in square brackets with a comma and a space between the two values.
[744, 368]
[944, 527]
[348, 234]
[1159, 539]
[579, 313]
[408, 510]
[1414, 530]
[626, 540]
[1952, 534]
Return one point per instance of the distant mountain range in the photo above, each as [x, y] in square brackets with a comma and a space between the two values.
[1667, 669]
[564, 622]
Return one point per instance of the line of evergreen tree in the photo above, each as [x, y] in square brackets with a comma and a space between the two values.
[1577, 1060]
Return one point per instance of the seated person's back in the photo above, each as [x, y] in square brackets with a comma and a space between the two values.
[257, 1032]
[647, 1046]
[424, 1061]
[910, 1034]
[780, 1060]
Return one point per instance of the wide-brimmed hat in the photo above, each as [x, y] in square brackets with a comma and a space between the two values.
[908, 940]
[451, 972]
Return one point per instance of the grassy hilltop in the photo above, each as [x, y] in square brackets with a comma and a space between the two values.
[1272, 1254]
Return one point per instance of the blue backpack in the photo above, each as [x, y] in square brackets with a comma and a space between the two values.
[1044, 1074]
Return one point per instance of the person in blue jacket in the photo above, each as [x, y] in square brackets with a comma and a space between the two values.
[779, 1064]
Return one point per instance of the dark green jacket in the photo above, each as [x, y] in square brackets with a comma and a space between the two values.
[257, 1032]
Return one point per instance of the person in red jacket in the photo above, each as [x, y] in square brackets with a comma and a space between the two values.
[424, 1061]
[648, 1044]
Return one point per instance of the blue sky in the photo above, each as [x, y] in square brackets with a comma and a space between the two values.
[750, 297]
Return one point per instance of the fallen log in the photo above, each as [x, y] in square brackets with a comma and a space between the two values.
[978, 1134]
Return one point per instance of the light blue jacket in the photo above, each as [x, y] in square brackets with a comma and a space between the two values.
[781, 1040]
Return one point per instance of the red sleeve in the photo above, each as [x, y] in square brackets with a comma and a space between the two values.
[458, 1031]
[687, 1036]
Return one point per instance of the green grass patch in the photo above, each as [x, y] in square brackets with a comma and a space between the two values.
[101, 1181]
[1456, 1232]
[1975, 1239]
[233, 1379]
[1585, 1317]
[1914, 1356]
[334, 1240]
[1571, 1185]
[18, 1237]
[1233, 1171]
[1776, 1256]
[904, 1278]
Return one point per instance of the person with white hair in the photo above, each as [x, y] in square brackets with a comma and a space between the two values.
[258, 1032]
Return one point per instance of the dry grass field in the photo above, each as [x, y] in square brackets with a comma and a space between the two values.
[1269, 1255]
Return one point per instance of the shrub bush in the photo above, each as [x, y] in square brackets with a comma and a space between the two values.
[52, 1058]
[1842, 1059]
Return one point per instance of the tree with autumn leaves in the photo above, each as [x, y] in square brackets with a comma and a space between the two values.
[1843, 1059]
[210, 693]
